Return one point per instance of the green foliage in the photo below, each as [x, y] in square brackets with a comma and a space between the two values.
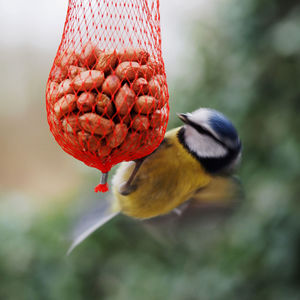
[248, 66]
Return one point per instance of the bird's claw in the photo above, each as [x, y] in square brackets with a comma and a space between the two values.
[125, 189]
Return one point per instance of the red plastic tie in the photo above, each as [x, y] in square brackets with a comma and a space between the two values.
[102, 187]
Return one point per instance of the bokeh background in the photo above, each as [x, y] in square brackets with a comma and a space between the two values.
[240, 57]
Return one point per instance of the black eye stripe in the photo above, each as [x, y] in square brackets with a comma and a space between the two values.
[202, 130]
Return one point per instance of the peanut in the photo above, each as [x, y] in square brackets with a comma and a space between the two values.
[106, 61]
[55, 122]
[52, 88]
[162, 90]
[88, 80]
[86, 102]
[64, 88]
[66, 59]
[155, 65]
[145, 105]
[163, 99]
[88, 55]
[123, 119]
[146, 72]
[104, 150]
[155, 89]
[71, 124]
[158, 118]
[65, 105]
[160, 78]
[95, 124]
[132, 142]
[140, 86]
[111, 85]
[88, 142]
[140, 123]
[132, 54]
[126, 119]
[124, 100]
[57, 74]
[117, 137]
[128, 70]
[74, 71]
[104, 105]
[151, 138]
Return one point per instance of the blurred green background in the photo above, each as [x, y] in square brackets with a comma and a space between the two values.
[240, 57]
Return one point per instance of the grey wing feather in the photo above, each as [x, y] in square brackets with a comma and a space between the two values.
[90, 222]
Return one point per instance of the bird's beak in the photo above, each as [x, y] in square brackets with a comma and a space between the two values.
[183, 118]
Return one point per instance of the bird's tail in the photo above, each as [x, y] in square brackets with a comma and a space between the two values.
[91, 221]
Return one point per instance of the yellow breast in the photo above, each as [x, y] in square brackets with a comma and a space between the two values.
[166, 179]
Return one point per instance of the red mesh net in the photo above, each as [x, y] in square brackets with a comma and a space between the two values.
[107, 95]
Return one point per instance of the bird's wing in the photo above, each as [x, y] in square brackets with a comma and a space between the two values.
[221, 192]
[202, 213]
[97, 216]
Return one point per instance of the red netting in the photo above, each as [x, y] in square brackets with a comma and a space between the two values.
[107, 96]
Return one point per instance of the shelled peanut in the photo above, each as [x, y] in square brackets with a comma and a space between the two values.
[103, 99]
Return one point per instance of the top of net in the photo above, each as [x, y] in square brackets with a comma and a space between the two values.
[107, 97]
[114, 24]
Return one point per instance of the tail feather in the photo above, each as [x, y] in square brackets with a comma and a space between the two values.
[93, 220]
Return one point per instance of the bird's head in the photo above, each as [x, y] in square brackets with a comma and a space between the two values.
[211, 138]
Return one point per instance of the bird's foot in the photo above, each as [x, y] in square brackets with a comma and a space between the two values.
[126, 188]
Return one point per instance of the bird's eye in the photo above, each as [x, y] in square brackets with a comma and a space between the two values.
[202, 130]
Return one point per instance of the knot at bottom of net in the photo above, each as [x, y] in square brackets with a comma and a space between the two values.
[101, 188]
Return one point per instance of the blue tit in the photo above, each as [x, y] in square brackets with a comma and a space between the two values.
[194, 163]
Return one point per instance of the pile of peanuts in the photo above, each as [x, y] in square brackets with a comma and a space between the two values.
[105, 100]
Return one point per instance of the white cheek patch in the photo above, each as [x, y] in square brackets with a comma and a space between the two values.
[203, 145]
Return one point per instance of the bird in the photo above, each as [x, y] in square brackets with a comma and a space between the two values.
[194, 164]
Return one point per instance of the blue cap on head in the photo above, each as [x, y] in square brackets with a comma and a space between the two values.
[221, 125]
